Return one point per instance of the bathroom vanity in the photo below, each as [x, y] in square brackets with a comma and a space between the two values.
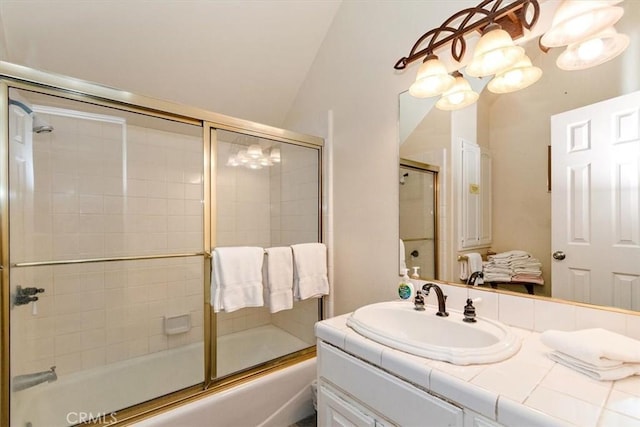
[364, 383]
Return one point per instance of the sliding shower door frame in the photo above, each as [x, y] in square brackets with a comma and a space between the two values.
[19, 77]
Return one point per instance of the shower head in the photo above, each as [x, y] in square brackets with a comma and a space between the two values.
[402, 178]
[40, 126]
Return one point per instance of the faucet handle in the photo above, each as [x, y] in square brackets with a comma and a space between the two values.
[469, 312]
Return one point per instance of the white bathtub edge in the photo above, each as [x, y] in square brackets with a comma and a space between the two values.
[274, 397]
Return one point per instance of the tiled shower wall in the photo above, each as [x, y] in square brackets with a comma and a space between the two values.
[105, 188]
[273, 206]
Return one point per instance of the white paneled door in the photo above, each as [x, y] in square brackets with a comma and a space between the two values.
[595, 203]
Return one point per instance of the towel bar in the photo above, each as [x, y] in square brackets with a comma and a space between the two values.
[462, 258]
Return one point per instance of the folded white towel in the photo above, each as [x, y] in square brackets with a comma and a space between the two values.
[474, 260]
[279, 279]
[310, 270]
[236, 280]
[599, 373]
[597, 347]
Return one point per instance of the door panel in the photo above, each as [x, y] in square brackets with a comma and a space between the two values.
[596, 203]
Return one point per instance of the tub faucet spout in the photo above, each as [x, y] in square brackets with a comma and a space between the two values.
[21, 382]
[442, 298]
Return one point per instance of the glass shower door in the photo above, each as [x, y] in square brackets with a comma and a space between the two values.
[267, 194]
[106, 259]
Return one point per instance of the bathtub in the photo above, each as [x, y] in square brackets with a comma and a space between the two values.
[98, 392]
[274, 400]
[277, 399]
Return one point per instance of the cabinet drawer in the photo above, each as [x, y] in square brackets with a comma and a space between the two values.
[398, 401]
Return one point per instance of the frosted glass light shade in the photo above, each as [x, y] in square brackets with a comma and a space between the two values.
[254, 151]
[521, 75]
[494, 52]
[274, 155]
[593, 51]
[459, 96]
[577, 19]
[432, 79]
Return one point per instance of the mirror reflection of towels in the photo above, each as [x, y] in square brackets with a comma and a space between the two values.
[474, 261]
[402, 259]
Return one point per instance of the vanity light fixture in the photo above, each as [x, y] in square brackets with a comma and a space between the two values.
[584, 26]
[576, 20]
[519, 76]
[494, 52]
[593, 50]
[432, 80]
[458, 96]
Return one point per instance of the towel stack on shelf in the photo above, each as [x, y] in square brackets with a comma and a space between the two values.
[240, 278]
[598, 353]
[513, 266]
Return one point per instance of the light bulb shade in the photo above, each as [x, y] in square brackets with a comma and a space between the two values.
[459, 96]
[432, 79]
[577, 19]
[274, 155]
[521, 75]
[254, 151]
[593, 51]
[494, 52]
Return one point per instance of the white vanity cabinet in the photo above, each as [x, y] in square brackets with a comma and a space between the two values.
[352, 392]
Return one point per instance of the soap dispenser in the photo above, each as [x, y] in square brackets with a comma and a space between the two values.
[405, 288]
[415, 274]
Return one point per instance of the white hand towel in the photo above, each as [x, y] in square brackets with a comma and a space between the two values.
[310, 270]
[474, 260]
[599, 373]
[279, 279]
[402, 258]
[236, 280]
[598, 347]
[464, 270]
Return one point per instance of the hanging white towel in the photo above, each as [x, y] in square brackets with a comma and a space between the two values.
[474, 261]
[236, 280]
[279, 279]
[464, 270]
[597, 352]
[402, 258]
[310, 270]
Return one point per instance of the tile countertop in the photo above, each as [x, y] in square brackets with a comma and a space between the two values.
[526, 389]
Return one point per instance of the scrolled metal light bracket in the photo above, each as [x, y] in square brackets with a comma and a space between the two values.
[513, 18]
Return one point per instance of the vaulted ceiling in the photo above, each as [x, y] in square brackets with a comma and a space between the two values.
[245, 58]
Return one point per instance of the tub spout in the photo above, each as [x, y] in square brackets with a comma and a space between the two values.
[21, 382]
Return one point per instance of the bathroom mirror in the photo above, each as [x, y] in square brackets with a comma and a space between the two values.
[515, 128]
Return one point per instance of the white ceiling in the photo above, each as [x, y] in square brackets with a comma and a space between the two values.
[244, 58]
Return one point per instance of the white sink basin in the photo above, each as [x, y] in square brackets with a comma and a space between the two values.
[396, 324]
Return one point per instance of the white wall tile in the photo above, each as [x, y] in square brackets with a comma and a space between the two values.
[516, 311]
[553, 315]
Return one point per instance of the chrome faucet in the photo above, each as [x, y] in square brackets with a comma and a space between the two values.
[471, 281]
[21, 382]
[442, 309]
